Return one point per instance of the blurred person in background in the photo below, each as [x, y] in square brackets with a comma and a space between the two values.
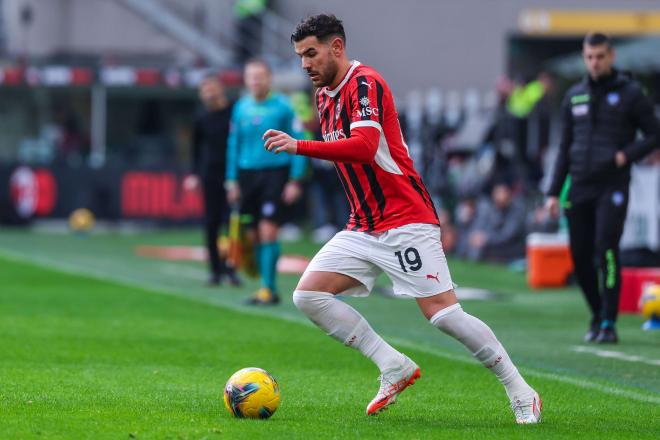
[209, 152]
[601, 116]
[527, 124]
[249, 27]
[498, 233]
[263, 183]
[291, 229]
[330, 210]
[465, 215]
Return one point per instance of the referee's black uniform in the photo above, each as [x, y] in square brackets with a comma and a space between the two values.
[210, 134]
[600, 118]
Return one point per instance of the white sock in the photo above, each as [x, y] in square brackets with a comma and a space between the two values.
[346, 325]
[483, 344]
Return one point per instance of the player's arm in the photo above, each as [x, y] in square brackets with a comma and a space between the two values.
[361, 147]
[644, 118]
[366, 115]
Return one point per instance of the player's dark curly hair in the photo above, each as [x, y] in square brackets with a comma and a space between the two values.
[321, 26]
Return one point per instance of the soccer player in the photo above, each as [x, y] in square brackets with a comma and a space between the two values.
[393, 227]
[262, 182]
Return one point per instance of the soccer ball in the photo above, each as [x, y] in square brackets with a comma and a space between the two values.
[252, 393]
[649, 303]
[81, 220]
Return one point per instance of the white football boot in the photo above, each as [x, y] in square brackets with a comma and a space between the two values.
[527, 409]
[392, 383]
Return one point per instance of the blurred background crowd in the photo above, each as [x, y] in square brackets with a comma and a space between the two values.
[98, 97]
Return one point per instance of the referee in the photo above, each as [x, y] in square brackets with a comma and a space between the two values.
[601, 116]
[264, 184]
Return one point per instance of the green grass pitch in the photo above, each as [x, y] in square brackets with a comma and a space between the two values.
[98, 343]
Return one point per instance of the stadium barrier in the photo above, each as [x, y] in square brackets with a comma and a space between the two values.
[111, 193]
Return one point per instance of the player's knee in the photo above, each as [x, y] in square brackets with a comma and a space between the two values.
[310, 302]
[445, 319]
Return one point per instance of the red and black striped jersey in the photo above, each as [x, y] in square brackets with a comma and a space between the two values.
[385, 191]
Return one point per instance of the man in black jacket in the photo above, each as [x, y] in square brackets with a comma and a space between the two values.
[601, 116]
[208, 166]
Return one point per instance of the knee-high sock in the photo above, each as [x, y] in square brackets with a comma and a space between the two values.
[482, 343]
[346, 325]
[269, 253]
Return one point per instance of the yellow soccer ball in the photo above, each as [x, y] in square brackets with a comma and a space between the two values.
[649, 303]
[81, 220]
[252, 393]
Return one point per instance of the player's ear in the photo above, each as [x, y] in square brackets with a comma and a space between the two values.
[337, 46]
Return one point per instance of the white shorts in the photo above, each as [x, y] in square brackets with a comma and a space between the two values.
[411, 256]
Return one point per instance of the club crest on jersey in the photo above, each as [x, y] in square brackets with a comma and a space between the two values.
[338, 109]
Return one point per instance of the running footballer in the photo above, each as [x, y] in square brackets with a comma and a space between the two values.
[393, 226]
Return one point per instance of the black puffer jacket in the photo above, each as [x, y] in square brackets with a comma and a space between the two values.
[599, 119]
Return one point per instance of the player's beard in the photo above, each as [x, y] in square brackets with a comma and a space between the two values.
[327, 77]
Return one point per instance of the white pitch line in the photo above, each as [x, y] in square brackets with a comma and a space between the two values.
[615, 355]
[130, 282]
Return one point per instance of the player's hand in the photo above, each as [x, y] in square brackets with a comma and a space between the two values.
[278, 142]
[292, 192]
[233, 195]
[552, 206]
[191, 182]
[620, 159]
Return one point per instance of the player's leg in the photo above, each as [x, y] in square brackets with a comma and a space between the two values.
[582, 226]
[445, 313]
[412, 257]
[315, 296]
[610, 218]
[341, 267]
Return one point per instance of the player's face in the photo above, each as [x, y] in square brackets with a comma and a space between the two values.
[598, 59]
[210, 92]
[257, 80]
[318, 59]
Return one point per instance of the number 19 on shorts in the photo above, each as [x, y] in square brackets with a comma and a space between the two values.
[411, 257]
